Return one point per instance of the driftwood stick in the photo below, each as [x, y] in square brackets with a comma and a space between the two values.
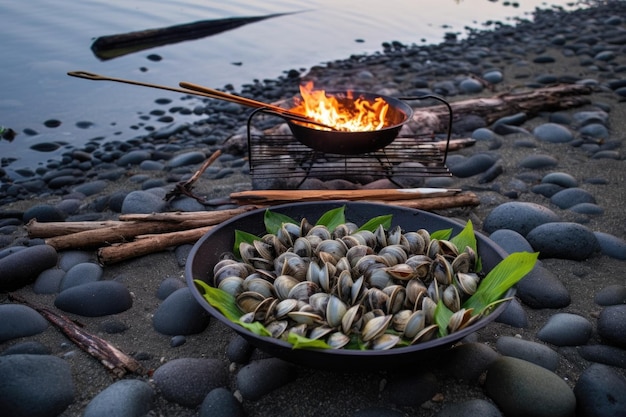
[146, 244]
[464, 199]
[276, 196]
[111, 357]
[51, 229]
[209, 217]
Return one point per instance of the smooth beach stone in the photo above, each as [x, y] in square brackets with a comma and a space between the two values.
[148, 165]
[468, 361]
[153, 183]
[546, 190]
[571, 196]
[186, 204]
[540, 288]
[91, 188]
[563, 179]
[607, 155]
[180, 314]
[95, 299]
[239, 350]
[483, 133]
[133, 157]
[611, 295]
[511, 241]
[188, 158]
[473, 165]
[220, 402]
[600, 392]
[35, 385]
[611, 245]
[470, 86]
[168, 286]
[493, 77]
[49, 281]
[594, 116]
[521, 217]
[24, 266]
[142, 202]
[18, 320]
[566, 329]
[125, 398]
[529, 351]
[554, 133]
[563, 240]
[30, 347]
[594, 130]
[263, 376]
[470, 408]
[81, 274]
[514, 315]
[187, 381]
[538, 161]
[43, 213]
[612, 325]
[516, 119]
[523, 389]
[608, 355]
[412, 389]
[587, 208]
[70, 258]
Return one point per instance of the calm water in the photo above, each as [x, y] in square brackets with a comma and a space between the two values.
[42, 40]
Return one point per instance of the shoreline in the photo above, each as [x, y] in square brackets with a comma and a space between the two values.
[531, 54]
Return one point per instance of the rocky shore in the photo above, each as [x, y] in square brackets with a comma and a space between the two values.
[552, 182]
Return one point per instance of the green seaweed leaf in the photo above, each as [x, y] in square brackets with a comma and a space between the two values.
[240, 237]
[333, 218]
[273, 221]
[255, 327]
[502, 277]
[373, 223]
[443, 234]
[301, 342]
[466, 237]
[221, 300]
[442, 318]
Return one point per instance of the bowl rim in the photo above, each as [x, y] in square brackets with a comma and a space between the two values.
[261, 341]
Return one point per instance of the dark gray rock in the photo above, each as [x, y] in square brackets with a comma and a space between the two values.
[522, 389]
[571, 196]
[566, 329]
[511, 241]
[611, 245]
[546, 190]
[23, 267]
[514, 315]
[19, 321]
[30, 347]
[612, 325]
[188, 158]
[611, 295]
[608, 355]
[594, 130]
[540, 288]
[125, 398]
[563, 240]
[43, 213]
[35, 385]
[95, 299]
[600, 392]
[81, 274]
[220, 402]
[187, 381]
[473, 165]
[563, 179]
[468, 361]
[133, 158]
[143, 202]
[519, 216]
[67, 259]
[529, 351]
[483, 133]
[264, 376]
[49, 281]
[538, 161]
[470, 408]
[587, 208]
[91, 188]
[553, 133]
[168, 286]
[239, 350]
[180, 314]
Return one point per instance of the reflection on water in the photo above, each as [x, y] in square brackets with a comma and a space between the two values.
[42, 41]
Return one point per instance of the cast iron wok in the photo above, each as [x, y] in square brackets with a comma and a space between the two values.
[208, 250]
[353, 143]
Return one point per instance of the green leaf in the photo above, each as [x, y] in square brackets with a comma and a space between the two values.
[273, 221]
[502, 277]
[333, 218]
[221, 300]
[442, 318]
[241, 236]
[443, 234]
[467, 238]
[301, 342]
[255, 327]
[372, 224]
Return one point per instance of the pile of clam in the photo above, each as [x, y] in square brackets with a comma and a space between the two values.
[380, 288]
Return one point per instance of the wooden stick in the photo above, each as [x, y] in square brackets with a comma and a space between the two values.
[111, 357]
[51, 229]
[275, 196]
[436, 203]
[149, 244]
[210, 217]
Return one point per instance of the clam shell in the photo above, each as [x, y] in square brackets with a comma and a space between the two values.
[375, 327]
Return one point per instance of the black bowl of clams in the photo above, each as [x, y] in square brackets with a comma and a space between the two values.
[351, 285]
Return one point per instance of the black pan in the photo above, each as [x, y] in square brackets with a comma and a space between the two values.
[353, 143]
[207, 251]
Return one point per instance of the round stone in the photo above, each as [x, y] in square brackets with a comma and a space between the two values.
[521, 217]
[553, 133]
[612, 325]
[95, 299]
[125, 398]
[563, 240]
[19, 321]
[566, 329]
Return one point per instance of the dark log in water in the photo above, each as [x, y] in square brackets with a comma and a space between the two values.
[113, 46]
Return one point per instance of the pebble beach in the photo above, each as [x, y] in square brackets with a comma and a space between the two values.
[551, 182]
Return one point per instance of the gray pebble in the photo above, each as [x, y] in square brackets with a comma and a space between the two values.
[607, 155]
[186, 204]
[594, 130]
[493, 77]
[81, 274]
[538, 161]
[43, 213]
[125, 398]
[519, 216]
[143, 202]
[180, 314]
[546, 190]
[49, 281]
[151, 166]
[566, 329]
[560, 178]
[168, 286]
[35, 385]
[70, 258]
[470, 86]
[600, 392]
[612, 325]
[611, 245]
[611, 295]
[473, 165]
[30, 347]
[177, 341]
[521, 388]
[469, 360]
[187, 381]
[19, 321]
[264, 376]
[239, 350]
[91, 188]
[571, 196]
[608, 355]
[95, 299]
[529, 351]
[188, 158]
[540, 288]
[511, 241]
[514, 315]
[470, 408]
[24, 266]
[133, 158]
[554, 133]
[220, 402]
[483, 134]
[587, 208]
[563, 240]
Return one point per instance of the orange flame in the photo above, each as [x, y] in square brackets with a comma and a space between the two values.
[349, 115]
